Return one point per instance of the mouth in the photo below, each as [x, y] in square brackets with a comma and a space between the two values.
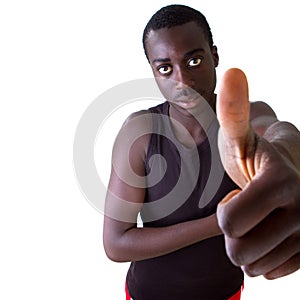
[189, 98]
[189, 101]
[186, 95]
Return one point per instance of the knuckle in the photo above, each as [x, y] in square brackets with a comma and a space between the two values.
[294, 242]
[234, 252]
[227, 224]
[251, 271]
[290, 189]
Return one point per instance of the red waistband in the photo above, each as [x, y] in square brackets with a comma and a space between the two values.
[236, 296]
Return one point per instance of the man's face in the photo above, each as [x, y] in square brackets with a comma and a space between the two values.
[182, 55]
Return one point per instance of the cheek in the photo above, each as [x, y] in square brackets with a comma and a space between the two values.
[207, 77]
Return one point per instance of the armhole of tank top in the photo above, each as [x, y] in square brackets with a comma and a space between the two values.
[153, 127]
[146, 130]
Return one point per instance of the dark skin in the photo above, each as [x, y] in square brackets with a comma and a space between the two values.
[261, 221]
[255, 146]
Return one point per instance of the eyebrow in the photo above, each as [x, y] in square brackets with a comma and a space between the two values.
[190, 53]
[160, 60]
[186, 55]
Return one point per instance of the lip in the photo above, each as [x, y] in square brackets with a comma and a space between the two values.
[187, 95]
[187, 105]
[188, 102]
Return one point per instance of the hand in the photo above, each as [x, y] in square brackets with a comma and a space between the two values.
[261, 221]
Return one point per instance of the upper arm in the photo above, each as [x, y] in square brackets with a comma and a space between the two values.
[262, 116]
[126, 188]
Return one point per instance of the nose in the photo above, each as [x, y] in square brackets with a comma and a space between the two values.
[183, 78]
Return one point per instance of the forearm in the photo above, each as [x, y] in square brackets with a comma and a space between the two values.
[285, 137]
[144, 243]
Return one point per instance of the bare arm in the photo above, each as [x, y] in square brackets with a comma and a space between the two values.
[123, 240]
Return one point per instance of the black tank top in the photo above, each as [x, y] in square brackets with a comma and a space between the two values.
[183, 184]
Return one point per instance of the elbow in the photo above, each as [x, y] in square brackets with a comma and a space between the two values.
[113, 256]
[114, 252]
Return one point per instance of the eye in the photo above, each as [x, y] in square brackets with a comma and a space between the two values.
[164, 70]
[193, 62]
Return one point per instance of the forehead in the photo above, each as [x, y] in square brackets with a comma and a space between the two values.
[166, 42]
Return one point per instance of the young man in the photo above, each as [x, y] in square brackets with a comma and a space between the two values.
[200, 223]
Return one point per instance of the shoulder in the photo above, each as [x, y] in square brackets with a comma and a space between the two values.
[137, 129]
[143, 120]
[134, 135]
[137, 124]
[145, 115]
[138, 117]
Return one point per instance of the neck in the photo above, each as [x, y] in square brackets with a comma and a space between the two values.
[196, 122]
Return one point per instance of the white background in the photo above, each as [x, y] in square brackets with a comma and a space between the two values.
[56, 57]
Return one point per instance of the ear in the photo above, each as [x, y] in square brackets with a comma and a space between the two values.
[215, 54]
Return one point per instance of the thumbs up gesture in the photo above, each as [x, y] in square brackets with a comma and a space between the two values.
[261, 220]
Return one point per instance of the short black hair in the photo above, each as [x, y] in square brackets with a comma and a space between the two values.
[174, 15]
